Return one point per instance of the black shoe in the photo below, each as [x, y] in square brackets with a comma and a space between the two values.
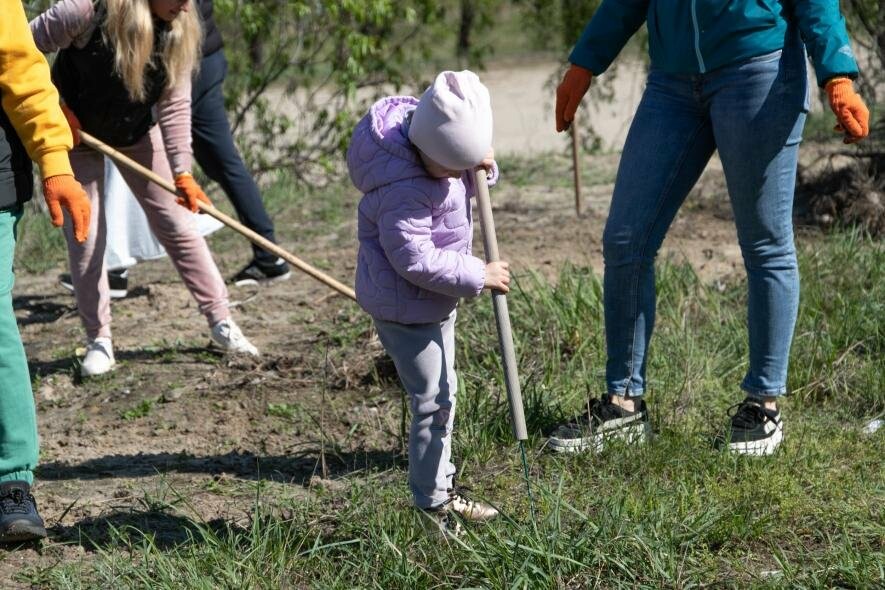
[117, 279]
[255, 273]
[754, 430]
[19, 520]
[603, 422]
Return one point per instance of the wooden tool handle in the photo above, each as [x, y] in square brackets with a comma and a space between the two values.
[502, 315]
[227, 220]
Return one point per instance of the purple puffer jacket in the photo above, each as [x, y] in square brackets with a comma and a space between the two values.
[415, 231]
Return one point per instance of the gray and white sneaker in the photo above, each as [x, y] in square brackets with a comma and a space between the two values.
[445, 518]
[440, 523]
[99, 358]
[227, 336]
[753, 430]
[602, 423]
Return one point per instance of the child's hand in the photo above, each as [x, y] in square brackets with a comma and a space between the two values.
[489, 161]
[498, 276]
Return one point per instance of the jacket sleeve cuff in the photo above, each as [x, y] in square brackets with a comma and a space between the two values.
[55, 163]
[476, 274]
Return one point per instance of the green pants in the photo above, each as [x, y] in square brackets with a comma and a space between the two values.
[18, 420]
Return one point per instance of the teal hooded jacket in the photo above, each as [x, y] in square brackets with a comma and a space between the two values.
[698, 36]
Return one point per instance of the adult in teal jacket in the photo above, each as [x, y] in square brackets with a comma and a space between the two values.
[727, 76]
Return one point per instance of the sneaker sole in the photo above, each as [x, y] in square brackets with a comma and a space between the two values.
[268, 281]
[88, 374]
[213, 345]
[635, 434]
[22, 531]
[759, 448]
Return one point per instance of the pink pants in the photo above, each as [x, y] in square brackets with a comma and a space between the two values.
[170, 222]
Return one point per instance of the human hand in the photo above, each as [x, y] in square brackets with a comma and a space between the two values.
[73, 122]
[488, 162]
[851, 113]
[190, 193]
[569, 93]
[498, 276]
[63, 191]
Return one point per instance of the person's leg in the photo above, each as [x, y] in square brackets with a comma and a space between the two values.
[175, 228]
[669, 144]
[217, 155]
[424, 359]
[19, 520]
[86, 260]
[18, 426]
[758, 113]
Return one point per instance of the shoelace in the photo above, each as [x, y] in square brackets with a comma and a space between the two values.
[749, 414]
[13, 502]
[600, 410]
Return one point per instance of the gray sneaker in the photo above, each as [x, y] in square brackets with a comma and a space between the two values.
[602, 423]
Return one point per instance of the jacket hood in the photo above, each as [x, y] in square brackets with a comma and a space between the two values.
[380, 152]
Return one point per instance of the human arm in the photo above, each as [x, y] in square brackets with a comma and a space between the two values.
[63, 24]
[32, 105]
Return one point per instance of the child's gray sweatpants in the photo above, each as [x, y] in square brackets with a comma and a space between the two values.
[424, 355]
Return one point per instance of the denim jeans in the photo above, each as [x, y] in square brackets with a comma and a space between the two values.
[217, 155]
[753, 113]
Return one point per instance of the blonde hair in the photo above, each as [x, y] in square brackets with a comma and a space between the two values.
[129, 29]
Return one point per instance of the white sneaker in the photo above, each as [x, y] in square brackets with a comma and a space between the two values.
[99, 358]
[227, 335]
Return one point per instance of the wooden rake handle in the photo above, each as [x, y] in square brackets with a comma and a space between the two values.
[232, 223]
[502, 315]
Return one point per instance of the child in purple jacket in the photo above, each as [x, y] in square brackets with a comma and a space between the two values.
[414, 159]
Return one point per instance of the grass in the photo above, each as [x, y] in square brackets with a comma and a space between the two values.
[671, 514]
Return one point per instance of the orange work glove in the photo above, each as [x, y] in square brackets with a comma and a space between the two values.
[189, 192]
[851, 113]
[569, 93]
[73, 121]
[63, 190]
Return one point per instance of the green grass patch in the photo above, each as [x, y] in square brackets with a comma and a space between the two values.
[671, 514]
[142, 409]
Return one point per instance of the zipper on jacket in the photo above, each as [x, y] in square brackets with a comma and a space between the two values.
[697, 36]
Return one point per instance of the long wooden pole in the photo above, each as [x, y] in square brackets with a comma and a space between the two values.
[576, 172]
[227, 220]
[502, 315]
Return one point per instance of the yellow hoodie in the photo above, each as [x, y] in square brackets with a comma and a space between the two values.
[28, 96]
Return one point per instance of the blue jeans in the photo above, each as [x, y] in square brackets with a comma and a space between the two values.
[217, 155]
[753, 112]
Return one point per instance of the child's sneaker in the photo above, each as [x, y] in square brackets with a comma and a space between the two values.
[603, 422]
[754, 430]
[440, 522]
[227, 335]
[99, 358]
[445, 518]
[468, 508]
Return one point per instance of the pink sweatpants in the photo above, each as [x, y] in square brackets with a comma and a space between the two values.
[171, 223]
